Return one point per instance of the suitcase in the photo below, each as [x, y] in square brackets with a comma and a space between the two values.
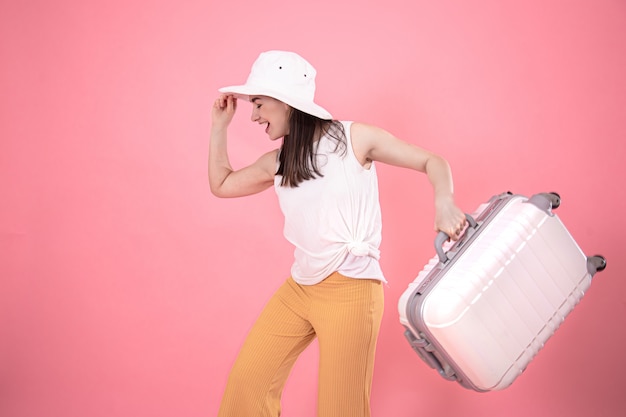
[482, 308]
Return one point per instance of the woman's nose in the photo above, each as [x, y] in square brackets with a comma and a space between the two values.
[255, 115]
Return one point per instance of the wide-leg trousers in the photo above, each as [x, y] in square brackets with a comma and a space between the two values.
[344, 314]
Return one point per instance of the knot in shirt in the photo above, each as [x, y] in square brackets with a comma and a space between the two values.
[363, 249]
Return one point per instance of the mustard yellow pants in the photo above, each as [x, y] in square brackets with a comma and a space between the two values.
[344, 314]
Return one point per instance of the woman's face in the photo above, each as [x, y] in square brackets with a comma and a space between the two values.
[274, 113]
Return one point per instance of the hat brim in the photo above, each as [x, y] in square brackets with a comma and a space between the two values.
[245, 91]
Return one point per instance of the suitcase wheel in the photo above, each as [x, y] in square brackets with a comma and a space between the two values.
[546, 201]
[555, 199]
[596, 263]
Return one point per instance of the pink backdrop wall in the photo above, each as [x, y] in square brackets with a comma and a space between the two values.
[126, 288]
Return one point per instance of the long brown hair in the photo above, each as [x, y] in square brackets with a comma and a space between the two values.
[297, 157]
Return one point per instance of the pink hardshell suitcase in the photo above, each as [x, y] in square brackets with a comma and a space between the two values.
[483, 307]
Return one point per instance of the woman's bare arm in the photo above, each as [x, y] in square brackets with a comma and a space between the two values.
[223, 179]
[371, 143]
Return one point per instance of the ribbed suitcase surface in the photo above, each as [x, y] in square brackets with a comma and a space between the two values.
[482, 309]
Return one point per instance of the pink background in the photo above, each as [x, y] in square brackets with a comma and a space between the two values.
[126, 288]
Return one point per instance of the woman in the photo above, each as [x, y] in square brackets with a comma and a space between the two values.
[325, 178]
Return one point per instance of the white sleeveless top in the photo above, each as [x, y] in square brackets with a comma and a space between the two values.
[334, 221]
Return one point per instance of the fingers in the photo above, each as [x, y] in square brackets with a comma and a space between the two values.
[223, 110]
[462, 225]
[225, 102]
[454, 228]
[458, 229]
[232, 103]
[219, 102]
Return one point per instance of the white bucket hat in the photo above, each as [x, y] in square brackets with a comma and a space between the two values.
[285, 76]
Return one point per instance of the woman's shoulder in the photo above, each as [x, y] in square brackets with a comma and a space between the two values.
[367, 137]
[364, 133]
[268, 161]
[270, 156]
[364, 128]
[359, 140]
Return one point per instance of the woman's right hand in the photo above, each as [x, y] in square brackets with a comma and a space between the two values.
[223, 110]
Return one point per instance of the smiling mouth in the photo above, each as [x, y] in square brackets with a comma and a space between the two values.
[267, 128]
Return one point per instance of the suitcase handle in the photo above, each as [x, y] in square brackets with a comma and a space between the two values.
[442, 237]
